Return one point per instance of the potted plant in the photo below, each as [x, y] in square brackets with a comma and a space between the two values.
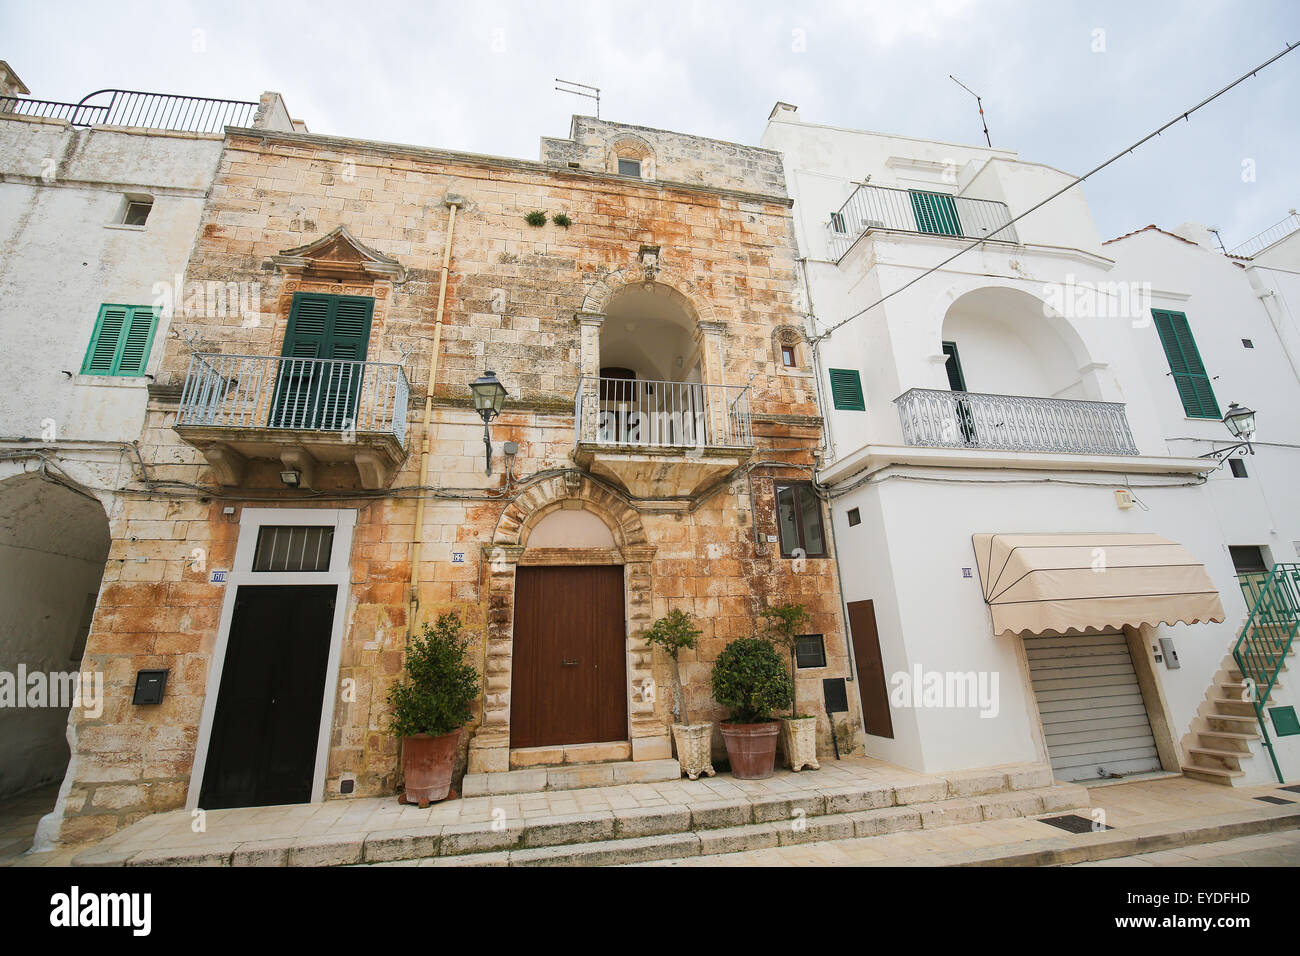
[750, 678]
[430, 704]
[782, 624]
[694, 741]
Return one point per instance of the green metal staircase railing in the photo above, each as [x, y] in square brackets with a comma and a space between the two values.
[1266, 639]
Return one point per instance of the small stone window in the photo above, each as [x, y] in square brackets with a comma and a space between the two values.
[137, 210]
[855, 517]
[810, 651]
[788, 357]
[787, 347]
[629, 167]
[630, 156]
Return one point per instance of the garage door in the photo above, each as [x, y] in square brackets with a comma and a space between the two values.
[1093, 715]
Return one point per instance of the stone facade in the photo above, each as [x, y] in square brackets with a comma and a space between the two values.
[527, 302]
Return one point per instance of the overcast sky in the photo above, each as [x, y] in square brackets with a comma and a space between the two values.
[1065, 84]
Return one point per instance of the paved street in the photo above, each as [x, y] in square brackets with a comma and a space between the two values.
[1270, 849]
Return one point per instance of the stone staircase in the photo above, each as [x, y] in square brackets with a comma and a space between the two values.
[1229, 731]
[728, 826]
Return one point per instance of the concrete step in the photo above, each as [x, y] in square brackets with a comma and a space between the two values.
[1233, 707]
[1215, 759]
[1212, 774]
[570, 777]
[1231, 723]
[784, 830]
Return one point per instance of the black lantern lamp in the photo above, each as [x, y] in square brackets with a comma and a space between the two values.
[489, 395]
[1240, 421]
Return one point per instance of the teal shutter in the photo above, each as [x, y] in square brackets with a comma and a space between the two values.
[121, 340]
[846, 389]
[935, 213]
[1188, 371]
[313, 394]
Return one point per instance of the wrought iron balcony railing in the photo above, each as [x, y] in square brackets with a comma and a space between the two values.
[940, 419]
[294, 394]
[185, 114]
[914, 210]
[615, 411]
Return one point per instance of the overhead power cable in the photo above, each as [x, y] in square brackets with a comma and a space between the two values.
[1186, 114]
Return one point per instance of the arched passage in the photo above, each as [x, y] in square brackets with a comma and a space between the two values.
[53, 545]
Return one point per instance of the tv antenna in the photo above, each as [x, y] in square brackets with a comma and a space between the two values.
[1213, 230]
[978, 102]
[593, 95]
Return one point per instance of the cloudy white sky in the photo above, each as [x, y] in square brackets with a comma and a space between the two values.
[1065, 84]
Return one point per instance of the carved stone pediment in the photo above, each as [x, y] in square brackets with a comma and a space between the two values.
[338, 254]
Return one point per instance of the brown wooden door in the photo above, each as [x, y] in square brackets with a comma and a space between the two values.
[569, 665]
[873, 690]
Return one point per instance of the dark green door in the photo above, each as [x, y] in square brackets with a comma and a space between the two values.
[935, 213]
[957, 382]
[320, 372]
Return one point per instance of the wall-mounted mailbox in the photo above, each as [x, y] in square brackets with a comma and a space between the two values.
[149, 687]
[1170, 655]
[1285, 722]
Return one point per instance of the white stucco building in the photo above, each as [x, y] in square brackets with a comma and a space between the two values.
[1008, 458]
[100, 203]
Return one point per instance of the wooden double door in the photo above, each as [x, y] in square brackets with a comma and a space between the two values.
[569, 663]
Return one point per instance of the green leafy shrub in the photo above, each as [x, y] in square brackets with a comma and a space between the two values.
[535, 218]
[437, 685]
[750, 678]
[560, 219]
[782, 624]
[674, 632]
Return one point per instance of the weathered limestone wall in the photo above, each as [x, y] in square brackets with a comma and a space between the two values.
[511, 300]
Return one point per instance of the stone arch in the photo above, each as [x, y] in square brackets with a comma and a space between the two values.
[625, 145]
[647, 735]
[785, 336]
[601, 290]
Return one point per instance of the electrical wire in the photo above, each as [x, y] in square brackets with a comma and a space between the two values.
[1096, 169]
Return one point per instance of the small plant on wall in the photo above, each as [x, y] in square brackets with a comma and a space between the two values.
[560, 219]
[536, 218]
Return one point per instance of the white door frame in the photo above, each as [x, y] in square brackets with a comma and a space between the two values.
[251, 521]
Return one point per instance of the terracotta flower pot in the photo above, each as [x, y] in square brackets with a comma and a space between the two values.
[694, 749]
[751, 748]
[427, 763]
[799, 740]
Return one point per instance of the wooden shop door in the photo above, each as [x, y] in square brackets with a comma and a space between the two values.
[569, 665]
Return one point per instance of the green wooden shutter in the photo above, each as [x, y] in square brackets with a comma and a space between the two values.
[846, 389]
[1189, 375]
[121, 341]
[311, 394]
[935, 213]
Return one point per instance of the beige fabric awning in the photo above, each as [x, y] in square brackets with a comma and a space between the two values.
[1083, 582]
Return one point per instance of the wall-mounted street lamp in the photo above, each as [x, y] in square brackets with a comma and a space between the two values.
[489, 395]
[1240, 421]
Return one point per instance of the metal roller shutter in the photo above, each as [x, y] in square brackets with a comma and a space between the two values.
[1094, 718]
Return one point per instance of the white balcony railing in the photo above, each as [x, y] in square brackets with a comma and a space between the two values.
[912, 210]
[298, 394]
[941, 419]
[639, 412]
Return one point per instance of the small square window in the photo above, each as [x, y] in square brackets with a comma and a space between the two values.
[1238, 467]
[1247, 344]
[855, 517]
[629, 167]
[810, 651]
[787, 356]
[137, 212]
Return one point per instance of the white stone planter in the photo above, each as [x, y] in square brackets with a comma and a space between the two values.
[799, 740]
[694, 749]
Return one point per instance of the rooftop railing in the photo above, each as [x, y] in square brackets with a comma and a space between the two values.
[942, 419]
[165, 111]
[1257, 244]
[914, 210]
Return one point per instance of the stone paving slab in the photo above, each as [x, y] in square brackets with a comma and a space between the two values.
[380, 830]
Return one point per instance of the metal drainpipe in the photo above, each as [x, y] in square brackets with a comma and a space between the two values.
[418, 536]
